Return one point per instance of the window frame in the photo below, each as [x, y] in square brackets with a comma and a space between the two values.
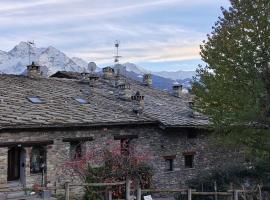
[189, 160]
[35, 100]
[170, 161]
[74, 147]
[125, 146]
[81, 100]
[43, 159]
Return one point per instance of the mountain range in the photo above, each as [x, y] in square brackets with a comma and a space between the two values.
[52, 60]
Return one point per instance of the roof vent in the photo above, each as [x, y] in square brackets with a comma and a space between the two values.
[124, 91]
[34, 71]
[147, 80]
[138, 103]
[177, 90]
[108, 72]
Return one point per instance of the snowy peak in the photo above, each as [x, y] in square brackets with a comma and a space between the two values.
[176, 75]
[50, 58]
[80, 62]
[134, 68]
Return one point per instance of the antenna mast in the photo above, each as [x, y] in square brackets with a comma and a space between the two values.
[30, 43]
[116, 57]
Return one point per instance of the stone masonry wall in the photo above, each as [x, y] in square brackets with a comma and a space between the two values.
[153, 142]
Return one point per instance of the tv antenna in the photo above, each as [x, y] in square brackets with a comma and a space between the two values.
[116, 57]
[30, 43]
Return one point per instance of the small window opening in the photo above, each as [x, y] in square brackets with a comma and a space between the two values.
[189, 160]
[35, 100]
[75, 150]
[169, 164]
[125, 147]
[37, 159]
[81, 100]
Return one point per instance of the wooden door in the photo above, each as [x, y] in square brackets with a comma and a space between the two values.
[13, 164]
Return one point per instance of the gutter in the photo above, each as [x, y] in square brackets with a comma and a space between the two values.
[73, 126]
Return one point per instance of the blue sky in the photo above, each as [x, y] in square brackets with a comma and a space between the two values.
[155, 34]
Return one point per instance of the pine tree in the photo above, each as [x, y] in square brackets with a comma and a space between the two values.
[233, 88]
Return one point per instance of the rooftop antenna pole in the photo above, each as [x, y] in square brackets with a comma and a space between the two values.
[116, 57]
[29, 52]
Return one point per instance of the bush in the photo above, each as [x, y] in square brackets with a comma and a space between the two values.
[117, 167]
[238, 176]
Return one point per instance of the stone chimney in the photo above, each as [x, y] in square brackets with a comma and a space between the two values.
[34, 71]
[177, 90]
[191, 104]
[138, 103]
[117, 80]
[147, 80]
[124, 91]
[108, 72]
[93, 78]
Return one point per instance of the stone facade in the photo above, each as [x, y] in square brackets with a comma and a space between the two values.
[158, 144]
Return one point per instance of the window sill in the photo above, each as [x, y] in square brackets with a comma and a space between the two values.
[187, 168]
[169, 172]
[35, 173]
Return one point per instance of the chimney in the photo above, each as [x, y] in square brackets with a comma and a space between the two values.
[108, 72]
[124, 91]
[177, 90]
[34, 71]
[84, 75]
[138, 103]
[93, 78]
[191, 104]
[147, 80]
[117, 80]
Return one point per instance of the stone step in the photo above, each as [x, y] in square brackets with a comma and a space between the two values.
[16, 195]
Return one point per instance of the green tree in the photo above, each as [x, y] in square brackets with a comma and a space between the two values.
[233, 88]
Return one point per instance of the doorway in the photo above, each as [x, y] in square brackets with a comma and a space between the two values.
[16, 164]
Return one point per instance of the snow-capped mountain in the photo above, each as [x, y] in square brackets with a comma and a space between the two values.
[80, 62]
[176, 75]
[50, 58]
[130, 67]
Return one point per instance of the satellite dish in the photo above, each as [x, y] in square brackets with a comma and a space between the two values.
[92, 67]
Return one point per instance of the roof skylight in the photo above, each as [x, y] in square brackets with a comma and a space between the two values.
[35, 100]
[81, 100]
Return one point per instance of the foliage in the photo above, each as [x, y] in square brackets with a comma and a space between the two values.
[236, 176]
[117, 167]
[107, 166]
[233, 89]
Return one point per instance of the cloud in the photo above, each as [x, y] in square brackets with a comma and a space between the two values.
[149, 30]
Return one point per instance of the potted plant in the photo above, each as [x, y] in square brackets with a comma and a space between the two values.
[28, 191]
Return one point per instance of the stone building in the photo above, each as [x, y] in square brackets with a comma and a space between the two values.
[47, 121]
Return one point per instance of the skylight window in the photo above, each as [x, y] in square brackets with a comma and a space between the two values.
[35, 100]
[81, 100]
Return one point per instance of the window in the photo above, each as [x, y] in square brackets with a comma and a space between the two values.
[75, 150]
[169, 163]
[125, 147]
[189, 160]
[81, 100]
[37, 160]
[35, 100]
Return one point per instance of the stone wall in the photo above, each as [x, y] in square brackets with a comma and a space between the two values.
[151, 141]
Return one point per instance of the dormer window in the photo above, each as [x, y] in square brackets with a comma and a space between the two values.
[81, 100]
[35, 100]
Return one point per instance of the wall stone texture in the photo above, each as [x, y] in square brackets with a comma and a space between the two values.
[153, 142]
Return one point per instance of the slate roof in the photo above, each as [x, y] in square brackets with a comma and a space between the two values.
[59, 108]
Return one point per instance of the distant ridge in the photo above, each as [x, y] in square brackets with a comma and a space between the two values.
[52, 60]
